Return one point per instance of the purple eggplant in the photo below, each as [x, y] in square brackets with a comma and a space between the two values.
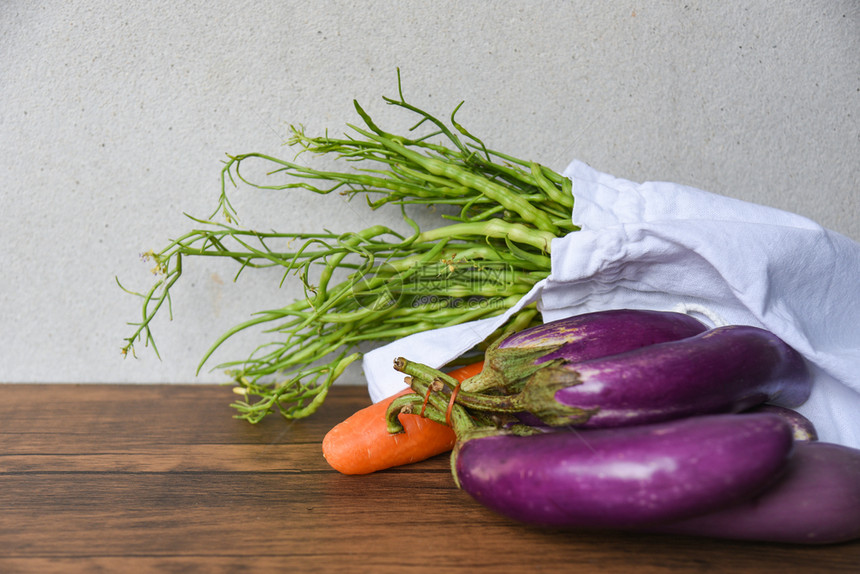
[803, 428]
[624, 477]
[606, 332]
[816, 501]
[727, 369]
[579, 338]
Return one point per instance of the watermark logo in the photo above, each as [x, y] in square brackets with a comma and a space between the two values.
[437, 285]
[376, 288]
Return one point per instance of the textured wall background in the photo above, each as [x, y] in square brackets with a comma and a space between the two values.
[115, 118]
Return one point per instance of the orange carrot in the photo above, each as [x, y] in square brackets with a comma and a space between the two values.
[362, 444]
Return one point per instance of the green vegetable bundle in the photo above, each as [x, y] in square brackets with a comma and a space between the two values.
[502, 214]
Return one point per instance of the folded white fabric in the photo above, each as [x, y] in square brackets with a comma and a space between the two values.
[666, 246]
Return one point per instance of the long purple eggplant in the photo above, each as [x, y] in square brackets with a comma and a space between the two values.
[625, 477]
[816, 501]
[579, 338]
[727, 369]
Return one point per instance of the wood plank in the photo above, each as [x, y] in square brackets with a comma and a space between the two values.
[156, 478]
[296, 458]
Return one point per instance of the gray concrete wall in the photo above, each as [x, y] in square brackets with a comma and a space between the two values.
[115, 118]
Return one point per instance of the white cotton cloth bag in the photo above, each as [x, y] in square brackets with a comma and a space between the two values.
[670, 247]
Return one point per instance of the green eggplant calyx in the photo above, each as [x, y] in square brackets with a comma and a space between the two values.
[505, 369]
[538, 397]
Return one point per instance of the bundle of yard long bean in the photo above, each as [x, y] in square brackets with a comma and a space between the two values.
[504, 212]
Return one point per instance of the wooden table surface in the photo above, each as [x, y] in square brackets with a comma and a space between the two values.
[161, 478]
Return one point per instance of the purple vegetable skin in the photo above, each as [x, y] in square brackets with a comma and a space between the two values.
[602, 333]
[624, 477]
[816, 501]
[579, 338]
[727, 369]
[803, 428]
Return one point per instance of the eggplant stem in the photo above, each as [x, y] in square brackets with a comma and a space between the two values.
[435, 401]
[477, 401]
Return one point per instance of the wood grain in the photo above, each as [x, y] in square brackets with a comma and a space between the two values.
[161, 478]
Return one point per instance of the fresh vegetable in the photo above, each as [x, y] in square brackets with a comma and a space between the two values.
[816, 501]
[624, 477]
[759, 482]
[578, 338]
[803, 428]
[727, 369]
[503, 214]
[362, 444]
